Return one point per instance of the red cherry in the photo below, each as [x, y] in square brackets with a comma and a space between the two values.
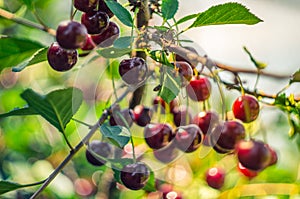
[168, 192]
[215, 177]
[158, 135]
[181, 116]
[185, 71]
[247, 172]
[199, 88]
[206, 121]
[142, 115]
[246, 108]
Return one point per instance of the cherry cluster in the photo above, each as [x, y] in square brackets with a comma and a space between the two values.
[95, 29]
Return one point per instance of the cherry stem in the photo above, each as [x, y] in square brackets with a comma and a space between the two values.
[257, 79]
[10, 16]
[83, 142]
[241, 84]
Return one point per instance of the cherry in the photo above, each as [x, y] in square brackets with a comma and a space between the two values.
[89, 44]
[71, 35]
[158, 135]
[253, 154]
[61, 59]
[103, 7]
[133, 71]
[135, 176]
[215, 177]
[185, 58]
[142, 115]
[188, 138]
[168, 192]
[116, 119]
[166, 154]
[158, 101]
[246, 108]
[108, 36]
[85, 5]
[247, 172]
[226, 135]
[181, 116]
[199, 88]
[99, 148]
[185, 71]
[95, 22]
[206, 120]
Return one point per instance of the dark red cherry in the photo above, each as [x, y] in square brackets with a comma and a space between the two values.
[95, 22]
[135, 176]
[158, 101]
[181, 116]
[118, 117]
[60, 59]
[185, 71]
[108, 36]
[253, 154]
[85, 5]
[247, 172]
[103, 7]
[158, 135]
[166, 154]
[71, 35]
[188, 138]
[133, 71]
[98, 148]
[168, 192]
[206, 120]
[186, 58]
[89, 44]
[246, 108]
[215, 177]
[142, 115]
[227, 134]
[199, 88]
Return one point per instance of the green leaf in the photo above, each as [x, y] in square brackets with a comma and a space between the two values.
[150, 185]
[6, 186]
[37, 57]
[228, 13]
[114, 52]
[121, 13]
[169, 8]
[57, 107]
[161, 57]
[258, 64]
[170, 86]
[112, 70]
[123, 42]
[13, 51]
[187, 18]
[295, 77]
[20, 112]
[29, 4]
[118, 135]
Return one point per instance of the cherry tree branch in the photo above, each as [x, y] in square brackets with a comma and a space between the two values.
[83, 142]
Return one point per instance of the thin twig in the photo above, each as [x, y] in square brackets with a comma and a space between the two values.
[84, 141]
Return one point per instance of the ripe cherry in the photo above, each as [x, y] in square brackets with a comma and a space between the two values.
[186, 58]
[247, 172]
[133, 71]
[71, 35]
[253, 154]
[98, 148]
[166, 154]
[61, 59]
[168, 192]
[108, 36]
[142, 115]
[188, 138]
[135, 176]
[181, 116]
[246, 108]
[185, 71]
[116, 118]
[103, 8]
[226, 135]
[85, 5]
[89, 44]
[158, 135]
[215, 177]
[206, 120]
[95, 22]
[158, 101]
[199, 88]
